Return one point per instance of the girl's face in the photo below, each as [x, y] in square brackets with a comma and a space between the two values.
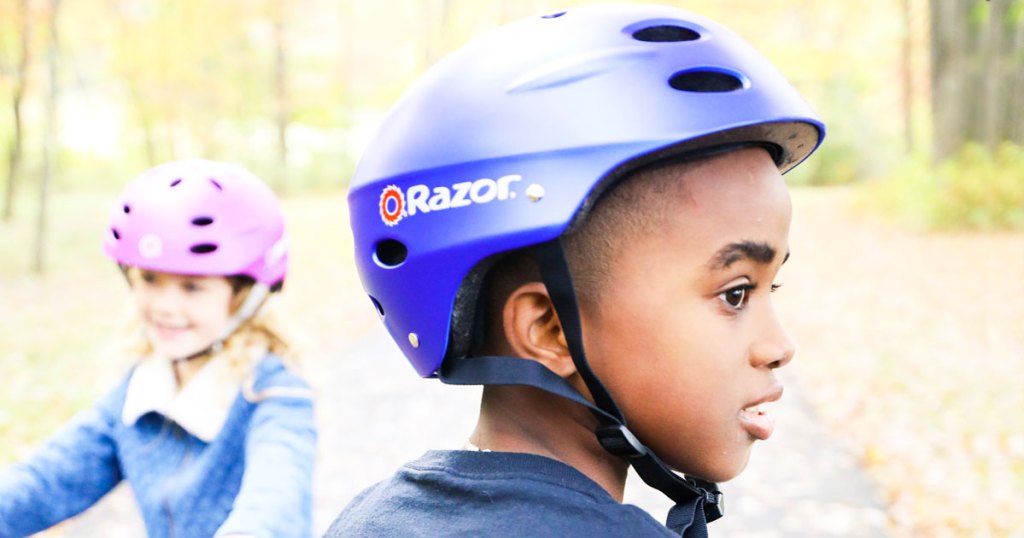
[181, 314]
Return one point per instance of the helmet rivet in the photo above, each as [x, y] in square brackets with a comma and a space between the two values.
[414, 340]
[534, 192]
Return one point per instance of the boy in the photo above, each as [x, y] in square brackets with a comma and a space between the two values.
[583, 212]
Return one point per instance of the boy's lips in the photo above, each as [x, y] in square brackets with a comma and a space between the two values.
[754, 417]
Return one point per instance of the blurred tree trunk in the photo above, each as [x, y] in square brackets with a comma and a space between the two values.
[907, 75]
[49, 138]
[977, 56]
[17, 139]
[281, 93]
[350, 69]
[145, 118]
[435, 17]
[1016, 71]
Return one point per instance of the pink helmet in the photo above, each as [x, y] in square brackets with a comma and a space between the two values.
[199, 217]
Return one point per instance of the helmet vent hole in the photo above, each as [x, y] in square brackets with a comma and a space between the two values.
[215, 184]
[127, 209]
[553, 15]
[665, 33]
[706, 81]
[390, 253]
[117, 234]
[176, 182]
[377, 305]
[203, 248]
[202, 221]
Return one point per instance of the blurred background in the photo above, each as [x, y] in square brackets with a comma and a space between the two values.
[904, 292]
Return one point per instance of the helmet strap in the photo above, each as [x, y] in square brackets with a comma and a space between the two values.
[697, 501]
[253, 301]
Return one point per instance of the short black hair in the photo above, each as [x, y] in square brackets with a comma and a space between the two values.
[633, 207]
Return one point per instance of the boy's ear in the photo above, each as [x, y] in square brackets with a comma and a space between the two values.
[533, 330]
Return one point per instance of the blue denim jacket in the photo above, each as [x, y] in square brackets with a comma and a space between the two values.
[254, 477]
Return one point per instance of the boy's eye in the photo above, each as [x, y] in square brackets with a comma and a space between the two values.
[736, 297]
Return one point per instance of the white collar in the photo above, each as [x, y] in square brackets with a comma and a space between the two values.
[201, 407]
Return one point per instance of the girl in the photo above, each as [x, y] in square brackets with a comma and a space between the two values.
[211, 428]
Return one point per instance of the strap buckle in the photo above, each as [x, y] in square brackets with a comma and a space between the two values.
[714, 499]
[618, 440]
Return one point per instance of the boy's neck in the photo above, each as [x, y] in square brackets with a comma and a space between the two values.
[528, 420]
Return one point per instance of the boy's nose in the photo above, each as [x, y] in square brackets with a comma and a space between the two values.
[774, 348]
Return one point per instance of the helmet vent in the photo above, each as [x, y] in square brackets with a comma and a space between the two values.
[665, 33]
[203, 248]
[176, 182]
[202, 221]
[215, 184]
[553, 15]
[127, 209]
[117, 235]
[705, 81]
[377, 305]
[390, 253]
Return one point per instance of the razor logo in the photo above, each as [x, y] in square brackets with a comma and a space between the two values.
[396, 205]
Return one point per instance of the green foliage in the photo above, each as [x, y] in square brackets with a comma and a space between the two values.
[88, 172]
[147, 82]
[311, 169]
[1015, 15]
[979, 14]
[975, 190]
[835, 163]
[851, 150]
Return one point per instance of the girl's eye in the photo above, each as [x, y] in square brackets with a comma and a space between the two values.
[148, 278]
[736, 297]
[191, 286]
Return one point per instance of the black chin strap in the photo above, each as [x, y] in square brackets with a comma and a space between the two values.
[697, 501]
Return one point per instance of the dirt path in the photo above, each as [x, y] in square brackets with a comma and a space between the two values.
[911, 350]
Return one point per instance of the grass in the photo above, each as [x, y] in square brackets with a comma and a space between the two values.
[56, 324]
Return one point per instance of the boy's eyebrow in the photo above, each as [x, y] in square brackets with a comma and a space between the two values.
[757, 251]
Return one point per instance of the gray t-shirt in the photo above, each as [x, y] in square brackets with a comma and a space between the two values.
[468, 493]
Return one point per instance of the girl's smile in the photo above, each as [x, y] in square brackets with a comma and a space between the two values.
[164, 331]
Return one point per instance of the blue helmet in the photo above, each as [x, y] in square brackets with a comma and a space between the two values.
[508, 142]
[505, 142]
